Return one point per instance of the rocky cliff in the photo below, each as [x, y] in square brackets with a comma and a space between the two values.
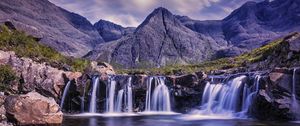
[111, 31]
[67, 32]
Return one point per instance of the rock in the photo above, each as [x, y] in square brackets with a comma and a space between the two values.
[189, 80]
[110, 31]
[187, 90]
[282, 79]
[33, 108]
[103, 69]
[266, 107]
[5, 124]
[2, 108]
[294, 42]
[37, 76]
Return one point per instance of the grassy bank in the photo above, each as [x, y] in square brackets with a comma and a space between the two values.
[28, 46]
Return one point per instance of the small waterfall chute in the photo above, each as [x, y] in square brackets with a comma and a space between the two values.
[294, 102]
[122, 102]
[66, 90]
[229, 98]
[157, 100]
[93, 100]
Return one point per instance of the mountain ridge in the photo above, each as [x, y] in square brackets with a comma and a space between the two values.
[67, 32]
[111, 31]
[157, 42]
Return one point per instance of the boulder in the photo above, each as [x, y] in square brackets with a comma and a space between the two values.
[271, 107]
[281, 78]
[32, 108]
[187, 90]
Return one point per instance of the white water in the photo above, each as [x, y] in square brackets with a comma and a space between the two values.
[148, 94]
[159, 99]
[248, 95]
[115, 104]
[129, 105]
[111, 97]
[119, 101]
[93, 102]
[295, 104]
[65, 94]
[224, 99]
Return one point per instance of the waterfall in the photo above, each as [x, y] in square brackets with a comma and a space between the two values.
[159, 98]
[232, 97]
[116, 103]
[129, 95]
[93, 101]
[148, 94]
[295, 104]
[66, 89]
[248, 94]
[82, 99]
[119, 101]
[111, 96]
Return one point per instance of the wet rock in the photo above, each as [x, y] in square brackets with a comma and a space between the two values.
[187, 90]
[282, 79]
[266, 107]
[32, 108]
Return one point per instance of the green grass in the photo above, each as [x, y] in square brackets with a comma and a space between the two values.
[7, 77]
[27, 46]
[254, 56]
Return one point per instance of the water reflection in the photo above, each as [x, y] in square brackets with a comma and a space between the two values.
[164, 121]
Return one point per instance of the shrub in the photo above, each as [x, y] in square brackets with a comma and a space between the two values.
[7, 76]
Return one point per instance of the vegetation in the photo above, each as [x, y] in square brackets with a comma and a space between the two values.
[28, 46]
[254, 56]
[7, 77]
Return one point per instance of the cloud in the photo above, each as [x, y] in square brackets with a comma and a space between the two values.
[133, 12]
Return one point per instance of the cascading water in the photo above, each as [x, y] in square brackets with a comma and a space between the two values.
[158, 99]
[110, 101]
[93, 101]
[129, 95]
[65, 94]
[119, 101]
[225, 99]
[295, 104]
[114, 102]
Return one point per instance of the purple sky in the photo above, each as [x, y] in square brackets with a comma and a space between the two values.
[133, 12]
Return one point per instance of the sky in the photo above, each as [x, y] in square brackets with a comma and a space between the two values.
[131, 13]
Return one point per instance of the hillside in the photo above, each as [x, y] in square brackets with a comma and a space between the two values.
[66, 32]
[282, 52]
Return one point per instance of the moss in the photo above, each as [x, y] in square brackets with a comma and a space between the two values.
[27, 46]
[7, 77]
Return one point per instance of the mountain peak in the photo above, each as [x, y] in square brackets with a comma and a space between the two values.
[161, 9]
[157, 17]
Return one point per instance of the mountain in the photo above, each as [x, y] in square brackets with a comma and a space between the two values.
[67, 32]
[160, 40]
[111, 31]
[250, 26]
